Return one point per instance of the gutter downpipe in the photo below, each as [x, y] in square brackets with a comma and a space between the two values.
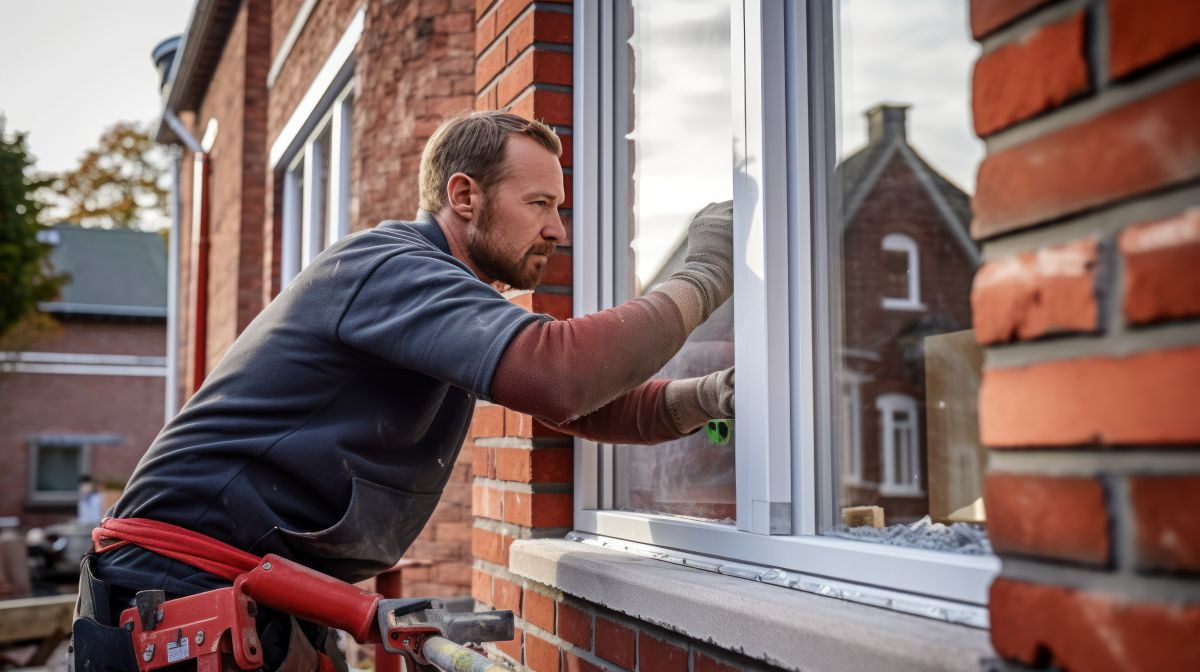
[171, 398]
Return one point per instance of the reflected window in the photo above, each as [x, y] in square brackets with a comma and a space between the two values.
[902, 271]
[900, 445]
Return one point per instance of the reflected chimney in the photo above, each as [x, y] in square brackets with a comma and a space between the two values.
[887, 121]
[164, 56]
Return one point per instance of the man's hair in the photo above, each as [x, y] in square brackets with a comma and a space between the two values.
[474, 143]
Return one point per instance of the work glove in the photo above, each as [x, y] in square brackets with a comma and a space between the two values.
[708, 265]
[694, 401]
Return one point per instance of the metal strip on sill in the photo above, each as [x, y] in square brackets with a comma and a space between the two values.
[916, 605]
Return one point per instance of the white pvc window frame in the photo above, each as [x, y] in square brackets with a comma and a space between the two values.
[83, 462]
[899, 445]
[898, 242]
[313, 218]
[784, 482]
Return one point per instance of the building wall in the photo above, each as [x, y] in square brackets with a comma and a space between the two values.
[1086, 203]
[37, 404]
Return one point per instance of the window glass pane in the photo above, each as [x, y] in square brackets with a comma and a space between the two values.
[906, 366]
[677, 108]
[57, 469]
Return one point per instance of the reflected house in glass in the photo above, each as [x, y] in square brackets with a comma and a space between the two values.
[906, 280]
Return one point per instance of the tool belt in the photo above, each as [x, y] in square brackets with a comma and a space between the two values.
[103, 636]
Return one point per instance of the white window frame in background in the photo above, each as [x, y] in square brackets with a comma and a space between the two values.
[898, 242]
[84, 460]
[895, 457]
[784, 483]
[295, 157]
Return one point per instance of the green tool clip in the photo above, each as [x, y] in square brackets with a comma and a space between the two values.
[719, 431]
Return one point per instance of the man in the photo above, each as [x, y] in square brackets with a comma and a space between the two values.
[328, 430]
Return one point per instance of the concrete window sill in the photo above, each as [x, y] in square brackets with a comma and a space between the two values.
[787, 628]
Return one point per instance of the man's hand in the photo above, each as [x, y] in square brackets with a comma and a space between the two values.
[708, 265]
[694, 401]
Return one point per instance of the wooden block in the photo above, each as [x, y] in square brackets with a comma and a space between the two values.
[863, 516]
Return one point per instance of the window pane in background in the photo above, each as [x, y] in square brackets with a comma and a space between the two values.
[907, 364]
[57, 469]
[679, 144]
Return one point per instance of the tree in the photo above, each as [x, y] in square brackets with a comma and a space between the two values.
[25, 274]
[120, 183]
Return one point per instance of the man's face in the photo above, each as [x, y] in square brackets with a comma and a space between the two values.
[518, 226]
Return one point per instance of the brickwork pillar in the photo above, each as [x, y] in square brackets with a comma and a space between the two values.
[1087, 206]
[522, 469]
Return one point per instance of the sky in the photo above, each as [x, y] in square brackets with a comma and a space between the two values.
[71, 68]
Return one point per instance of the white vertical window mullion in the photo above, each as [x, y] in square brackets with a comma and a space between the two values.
[760, 269]
[586, 246]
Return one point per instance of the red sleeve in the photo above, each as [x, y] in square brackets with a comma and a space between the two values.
[561, 370]
[639, 416]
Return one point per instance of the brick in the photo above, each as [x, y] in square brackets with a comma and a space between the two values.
[559, 270]
[539, 465]
[540, 655]
[561, 306]
[457, 531]
[487, 502]
[485, 33]
[1039, 72]
[702, 662]
[1055, 627]
[1167, 519]
[1146, 398]
[482, 6]
[452, 574]
[551, 107]
[512, 648]
[988, 15]
[1047, 291]
[488, 421]
[1162, 269]
[655, 654]
[506, 595]
[1062, 518]
[568, 147]
[481, 586]
[540, 26]
[488, 66]
[538, 610]
[481, 461]
[574, 626]
[459, 22]
[538, 510]
[1144, 32]
[573, 663]
[490, 546]
[615, 642]
[1091, 163]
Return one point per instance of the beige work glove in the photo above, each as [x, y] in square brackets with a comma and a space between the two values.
[694, 401]
[708, 265]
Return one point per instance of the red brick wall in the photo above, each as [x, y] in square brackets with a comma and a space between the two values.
[1088, 302]
[32, 405]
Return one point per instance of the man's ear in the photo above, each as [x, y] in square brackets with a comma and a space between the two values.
[462, 195]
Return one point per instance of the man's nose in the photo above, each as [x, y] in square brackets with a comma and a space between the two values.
[556, 230]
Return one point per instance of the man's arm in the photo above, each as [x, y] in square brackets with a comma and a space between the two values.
[656, 411]
[565, 369]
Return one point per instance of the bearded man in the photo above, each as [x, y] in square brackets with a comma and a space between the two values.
[328, 430]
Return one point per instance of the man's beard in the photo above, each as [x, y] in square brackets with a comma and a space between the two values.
[487, 253]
